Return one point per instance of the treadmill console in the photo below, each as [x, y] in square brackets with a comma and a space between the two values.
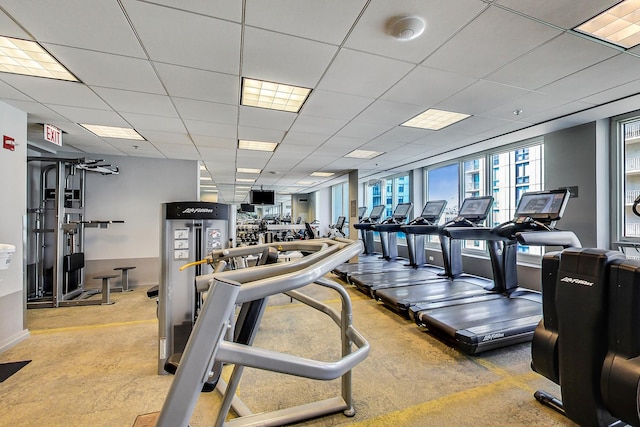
[361, 211]
[400, 214]
[473, 211]
[537, 210]
[431, 213]
[375, 215]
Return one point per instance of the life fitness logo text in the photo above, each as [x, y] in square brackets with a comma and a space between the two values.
[197, 210]
[575, 281]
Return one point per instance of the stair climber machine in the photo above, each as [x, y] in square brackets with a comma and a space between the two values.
[510, 314]
[588, 340]
[397, 274]
[366, 234]
[431, 283]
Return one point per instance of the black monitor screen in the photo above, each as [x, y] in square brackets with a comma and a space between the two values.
[433, 210]
[247, 207]
[361, 211]
[376, 212]
[340, 222]
[476, 208]
[402, 210]
[262, 197]
[543, 205]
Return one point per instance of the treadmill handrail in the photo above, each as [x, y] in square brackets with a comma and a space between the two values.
[566, 239]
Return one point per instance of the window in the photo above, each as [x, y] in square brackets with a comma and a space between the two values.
[443, 184]
[339, 201]
[474, 178]
[629, 136]
[396, 190]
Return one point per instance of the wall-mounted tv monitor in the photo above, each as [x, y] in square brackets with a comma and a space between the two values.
[402, 210]
[543, 205]
[247, 207]
[262, 197]
[433, 210]
[475, 208]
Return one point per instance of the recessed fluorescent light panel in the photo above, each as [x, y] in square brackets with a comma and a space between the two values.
[323, 174]
[205, 178]
[619, 25]
[305, 182]
[30, 59]
[245, 180]
[243, 144]
[434, 119]
[275, 96]
[363, 154]
[248, 170]
[113, 132]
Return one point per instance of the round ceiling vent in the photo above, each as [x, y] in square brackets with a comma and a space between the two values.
[406, 27]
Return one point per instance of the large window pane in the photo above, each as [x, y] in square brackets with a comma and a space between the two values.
[474, 186]
[631, 147]
[443, 184]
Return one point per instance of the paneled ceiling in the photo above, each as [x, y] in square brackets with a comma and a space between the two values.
[172, 70]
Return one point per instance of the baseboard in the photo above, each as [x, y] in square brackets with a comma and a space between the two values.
[14, 340]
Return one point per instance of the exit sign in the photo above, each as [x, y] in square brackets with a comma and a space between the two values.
[53, 134]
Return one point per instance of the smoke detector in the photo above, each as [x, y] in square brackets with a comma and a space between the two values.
[406, 28]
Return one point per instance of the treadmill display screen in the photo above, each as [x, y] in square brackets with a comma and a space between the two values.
[376, 212]
[433, 209]
[402, 210]
[543, 205]
[361, 211]
[476, 208]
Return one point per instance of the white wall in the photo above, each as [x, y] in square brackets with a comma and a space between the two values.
[13, 193]
[135, 196]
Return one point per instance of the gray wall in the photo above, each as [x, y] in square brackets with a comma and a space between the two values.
[13, 170]
[135, 196]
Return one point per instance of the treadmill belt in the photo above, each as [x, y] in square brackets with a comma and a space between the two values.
[370, 282]
[486, 325]
[402, 297]
[349, 270]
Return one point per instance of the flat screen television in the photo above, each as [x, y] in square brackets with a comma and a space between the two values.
[543, 205]
[433, 210]
[247, 207]
[262, 197]
[476, 208]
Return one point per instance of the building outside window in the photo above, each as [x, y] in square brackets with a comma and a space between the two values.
[630, 145]
[339, 201]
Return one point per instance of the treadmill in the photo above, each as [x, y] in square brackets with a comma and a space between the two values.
[361, 211]
[450, 282]
[430, 215]
[367, 282]
[476, 324]
[389, 228]
[366, 234]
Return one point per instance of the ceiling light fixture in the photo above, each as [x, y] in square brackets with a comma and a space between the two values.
[274, 96]
[305, 182]
[248, 170]
[363, 154]
[406, 28]
[205, 178]
[619, 25]
[244, 144]
[30, 59]
[433, 119]
[323, 174]
[245, 180]
[113, 132]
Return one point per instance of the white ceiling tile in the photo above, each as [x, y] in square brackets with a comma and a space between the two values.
[260, 134]
[361, 129]
[302, 138]
[90, 24]
[141, 122]
[400, 135]
[493, 39]
[169, 147]
[137, 102]
[612, 94]
[167, 137]
[443, 20]
[49, 91]
[334, 105]
[328, 21]
[220, 130]
[318, 125]
[36, 111]
[9, 28]
[562, 13]
[225, 9]
[89, 115]
[389, 113]
[265, 118]
[214, 142]
[363, 74]
[568, 53]
[201, 85]
[481, 96]
[193, 40]
[595, 79]
[426, 87]
[284, 59]
[190, 109]
[530, 104]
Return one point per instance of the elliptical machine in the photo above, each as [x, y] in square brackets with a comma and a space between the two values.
[588, 341]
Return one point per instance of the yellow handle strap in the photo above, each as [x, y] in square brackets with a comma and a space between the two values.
[193, 264]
